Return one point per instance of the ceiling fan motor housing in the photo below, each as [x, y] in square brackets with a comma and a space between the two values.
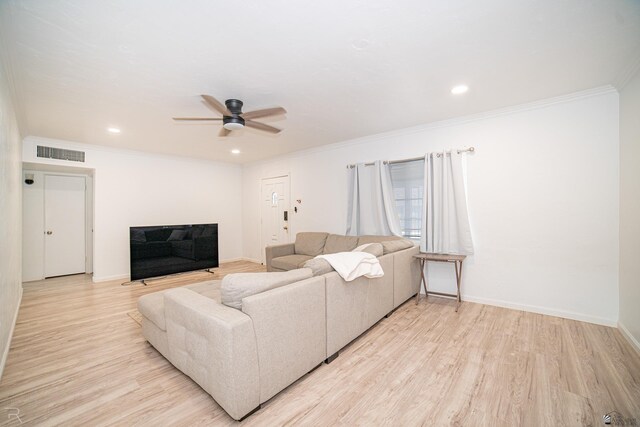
[235, 108]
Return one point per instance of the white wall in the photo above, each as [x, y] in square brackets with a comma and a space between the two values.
[33, 228]
[630, 210]
[10, 217]
[133, 188]
[543, 201]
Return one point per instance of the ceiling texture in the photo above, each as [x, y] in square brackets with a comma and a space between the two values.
[342, 69]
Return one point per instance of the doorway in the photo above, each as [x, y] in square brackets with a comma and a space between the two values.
[57, 221]
[274, 212]
[64, 224]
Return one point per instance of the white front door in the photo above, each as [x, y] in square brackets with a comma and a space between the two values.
[274, 211]
[64, 222]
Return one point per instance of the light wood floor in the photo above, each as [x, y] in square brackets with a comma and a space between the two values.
[78, 358]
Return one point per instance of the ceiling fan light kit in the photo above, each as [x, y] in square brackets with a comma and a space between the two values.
[234, 119]
[233, 123]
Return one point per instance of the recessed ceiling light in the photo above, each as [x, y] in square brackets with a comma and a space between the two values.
[235, 151]
[113, 130]
[460, 89]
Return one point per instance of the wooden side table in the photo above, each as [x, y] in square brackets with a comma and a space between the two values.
[457, 264]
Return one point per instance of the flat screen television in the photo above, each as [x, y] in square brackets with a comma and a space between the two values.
[168, 249]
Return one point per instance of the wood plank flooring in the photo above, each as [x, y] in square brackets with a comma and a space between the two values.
[77, 358]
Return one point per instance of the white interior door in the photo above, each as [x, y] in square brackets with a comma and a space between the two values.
[64, 220]
[274, 211]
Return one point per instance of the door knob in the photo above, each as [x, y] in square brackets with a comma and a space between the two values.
[285, 228]
[49, 233]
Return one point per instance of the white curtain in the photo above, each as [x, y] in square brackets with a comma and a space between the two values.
[371, 206]
[445, 227]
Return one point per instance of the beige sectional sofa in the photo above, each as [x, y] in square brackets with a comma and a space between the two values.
[244, 356]
[311, 244]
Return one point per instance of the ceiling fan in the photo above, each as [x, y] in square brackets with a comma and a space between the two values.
[233, 118]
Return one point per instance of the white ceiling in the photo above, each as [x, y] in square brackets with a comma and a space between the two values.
[342, 69]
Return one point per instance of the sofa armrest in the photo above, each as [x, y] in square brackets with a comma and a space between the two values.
[406, 275]
[214, 345]
[291, 334]
[276, 251]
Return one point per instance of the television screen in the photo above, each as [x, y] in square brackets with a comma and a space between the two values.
[168, 249]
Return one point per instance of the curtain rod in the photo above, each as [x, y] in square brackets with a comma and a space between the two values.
[413, 159]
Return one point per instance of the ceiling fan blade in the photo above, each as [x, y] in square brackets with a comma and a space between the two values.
[196, 118]
[261, 126]
[217, 105]
[264, 113]
[224, 132]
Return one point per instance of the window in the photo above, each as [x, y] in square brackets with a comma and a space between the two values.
[407, 179]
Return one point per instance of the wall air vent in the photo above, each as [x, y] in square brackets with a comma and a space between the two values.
[60, 154]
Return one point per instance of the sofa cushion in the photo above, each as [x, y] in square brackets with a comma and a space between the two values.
[209, 289]
[375, 239]
[310, 243]
[290, 262]
[237, 286]
[151, 306]
[391, 246]
[318, 266]
[336, 243]
[374, 249]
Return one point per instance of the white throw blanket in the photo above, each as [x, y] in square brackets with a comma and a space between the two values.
[351, 265]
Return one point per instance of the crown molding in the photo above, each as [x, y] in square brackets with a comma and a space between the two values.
[628, 73]
[456, 121]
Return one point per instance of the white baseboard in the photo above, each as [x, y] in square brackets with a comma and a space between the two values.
[98, 279]
[632, 340]
[543, 310]
[13, 327]
[240, 259]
